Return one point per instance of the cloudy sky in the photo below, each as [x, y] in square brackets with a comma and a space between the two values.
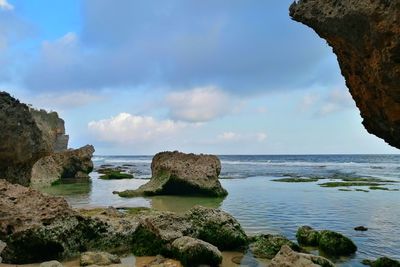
[139, 76]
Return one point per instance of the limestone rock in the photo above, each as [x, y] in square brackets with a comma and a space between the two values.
[52, 127]
[267, 246]
[194, 252]
[21, 140]
[69, 164]
[176, 173]
[51, 264]
[364, 35]
[98, 258]
[286, 257]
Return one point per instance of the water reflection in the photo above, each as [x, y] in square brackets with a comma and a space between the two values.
[182, 204]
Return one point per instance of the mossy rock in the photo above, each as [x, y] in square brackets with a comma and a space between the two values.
[382, 262]
[296, 180]
[336, 244]
[307, 236]
[115, 175]
[194, 252]
[267, 246]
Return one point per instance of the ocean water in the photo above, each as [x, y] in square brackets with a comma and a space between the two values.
[265, 206]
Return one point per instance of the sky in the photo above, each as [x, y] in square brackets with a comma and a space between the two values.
[135, 77]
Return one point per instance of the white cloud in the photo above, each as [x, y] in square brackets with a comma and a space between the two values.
[5, 5]
[237, 137]
[128, 128]
[200, 104]
[308, 101]
[65, 101]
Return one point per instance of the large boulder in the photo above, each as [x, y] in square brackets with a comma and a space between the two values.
[286, 257]
[307, 236]
[364, 35]
[176, 173]
[156, 232]
[21, 141]
[37, 227]
[194, 252]
[68, 164]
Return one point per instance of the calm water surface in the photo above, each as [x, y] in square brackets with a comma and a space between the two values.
[264, 206]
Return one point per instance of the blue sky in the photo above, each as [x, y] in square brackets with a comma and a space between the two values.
[138, 77]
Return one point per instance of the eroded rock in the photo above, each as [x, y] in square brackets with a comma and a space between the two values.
[176, 173]
[51, 264]
[287, 257]
[68, 164]
[21, 141]
[364, 35]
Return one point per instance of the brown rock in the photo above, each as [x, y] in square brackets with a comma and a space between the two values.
[286, 257]
[21, 140]
[176, 173]
[98, 258]
[364, 35]
[69, 164]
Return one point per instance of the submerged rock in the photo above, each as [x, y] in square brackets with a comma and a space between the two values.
[307, 236]
[98, 258]
[382, 262]
[267, 246]
[176, 173]
[361, 228]
[67, 165]
[364, 35]
[193, 252]
[21, 141]
[287, 257]
[330, 242]
[336, 244]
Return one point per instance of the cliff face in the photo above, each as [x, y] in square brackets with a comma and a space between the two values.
[365, 36]
[21, 140]
[52, 128]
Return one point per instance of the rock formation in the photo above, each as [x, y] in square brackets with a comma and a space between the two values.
[33, 145]
[364, 35]
[287, 257]
[66, 165]
[36, 227]
[176, 173]
[21, 141]
[52, 128]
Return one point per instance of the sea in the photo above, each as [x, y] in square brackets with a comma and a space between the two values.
[263, 205]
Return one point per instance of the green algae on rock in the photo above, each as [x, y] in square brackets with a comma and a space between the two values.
[115, 175]
[382, 262]
[296, 180]
[332, 243]
[267, 246]
[176, 173]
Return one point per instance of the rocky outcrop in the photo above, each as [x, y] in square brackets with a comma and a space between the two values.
[37, 228]
[52, 127]
[332, 243]
[365, 37]
[287, 257]
[66, 165]
[176, 173]
[21, 141]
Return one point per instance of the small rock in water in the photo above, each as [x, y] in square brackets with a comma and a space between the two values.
[382, 262]
[361, 228]
[98, 258]
[51, 264]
